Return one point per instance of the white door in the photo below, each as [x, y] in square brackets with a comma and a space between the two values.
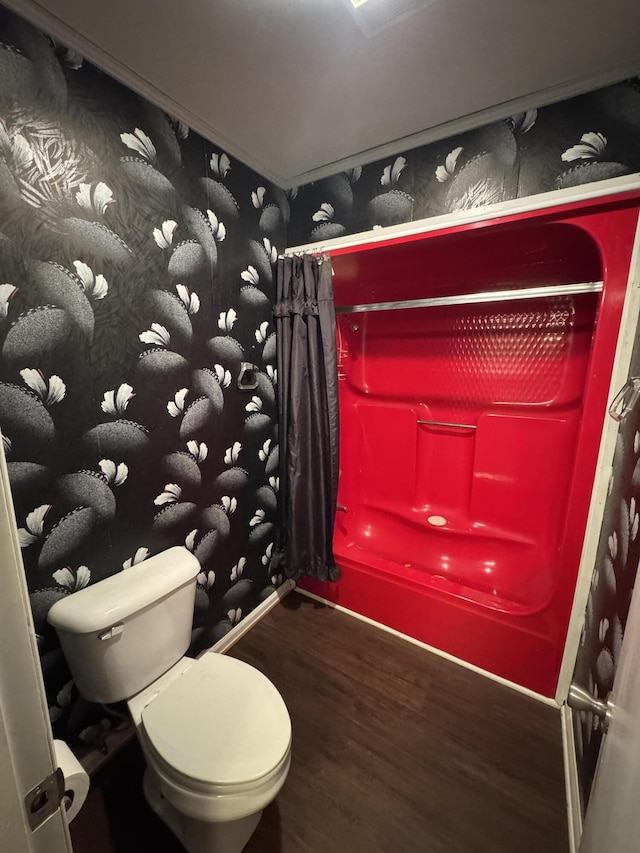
[612, 822]
[27, 755]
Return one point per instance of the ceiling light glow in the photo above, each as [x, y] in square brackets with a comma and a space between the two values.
[373, 18]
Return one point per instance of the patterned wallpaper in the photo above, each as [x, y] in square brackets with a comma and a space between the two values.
[611, 588]
[135, 279]
[585, 139]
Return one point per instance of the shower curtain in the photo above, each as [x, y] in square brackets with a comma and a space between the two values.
[308, 418]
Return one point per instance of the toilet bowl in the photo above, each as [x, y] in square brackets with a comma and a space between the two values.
[216, 736]
[215, 732]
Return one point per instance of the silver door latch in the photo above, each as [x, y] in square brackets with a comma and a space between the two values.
[44, 800]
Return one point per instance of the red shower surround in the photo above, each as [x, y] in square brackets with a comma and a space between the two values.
[492, 580]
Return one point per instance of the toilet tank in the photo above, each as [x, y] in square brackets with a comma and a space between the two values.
[120, 634]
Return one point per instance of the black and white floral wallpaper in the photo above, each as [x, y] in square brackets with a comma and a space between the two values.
[611, 588]
[135, 280]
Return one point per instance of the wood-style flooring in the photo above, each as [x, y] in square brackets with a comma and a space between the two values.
[395, 750]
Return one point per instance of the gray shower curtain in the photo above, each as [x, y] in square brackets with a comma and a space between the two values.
[308, 418]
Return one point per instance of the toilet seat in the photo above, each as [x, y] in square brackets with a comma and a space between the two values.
[220, 727]
[216, 803]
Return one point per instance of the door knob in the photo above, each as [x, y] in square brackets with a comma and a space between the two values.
[581, 700]
[625, 399]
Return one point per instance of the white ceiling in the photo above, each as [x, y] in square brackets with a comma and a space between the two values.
[294, 89]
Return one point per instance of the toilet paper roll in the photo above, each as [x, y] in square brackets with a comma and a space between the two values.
[76, 779]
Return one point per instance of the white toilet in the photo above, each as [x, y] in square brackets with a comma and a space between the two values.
[215, 732]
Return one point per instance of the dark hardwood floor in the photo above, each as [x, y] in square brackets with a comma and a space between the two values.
[395, 750]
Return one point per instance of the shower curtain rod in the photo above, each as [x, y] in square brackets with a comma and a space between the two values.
[474, 298]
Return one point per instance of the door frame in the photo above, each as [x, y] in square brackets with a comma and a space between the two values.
[611, 821]
[27, 753]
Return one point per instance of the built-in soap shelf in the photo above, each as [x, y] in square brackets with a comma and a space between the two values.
[445, 523]
[442, 522]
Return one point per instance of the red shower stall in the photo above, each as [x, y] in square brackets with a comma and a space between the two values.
[474, 364]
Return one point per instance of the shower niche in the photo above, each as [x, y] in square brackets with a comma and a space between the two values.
[474, 372]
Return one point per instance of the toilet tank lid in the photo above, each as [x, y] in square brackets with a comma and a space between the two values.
[118, 597]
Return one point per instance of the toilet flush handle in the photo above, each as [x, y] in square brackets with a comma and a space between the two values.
[113, 631]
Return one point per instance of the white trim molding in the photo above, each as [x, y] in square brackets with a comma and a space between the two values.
[572, 785]
[27, 754]
[485, 213]
[472, 121]
[503, 681]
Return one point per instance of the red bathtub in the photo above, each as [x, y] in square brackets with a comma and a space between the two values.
[470, 431]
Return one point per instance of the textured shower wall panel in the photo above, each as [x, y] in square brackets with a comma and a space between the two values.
[478, 504]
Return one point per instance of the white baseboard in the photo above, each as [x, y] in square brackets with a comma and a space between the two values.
[574, 809]
[517, 687]
[223, 645]
[239, 630]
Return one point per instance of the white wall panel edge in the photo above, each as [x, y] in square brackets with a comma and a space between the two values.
[574, 809]
[485, 213]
